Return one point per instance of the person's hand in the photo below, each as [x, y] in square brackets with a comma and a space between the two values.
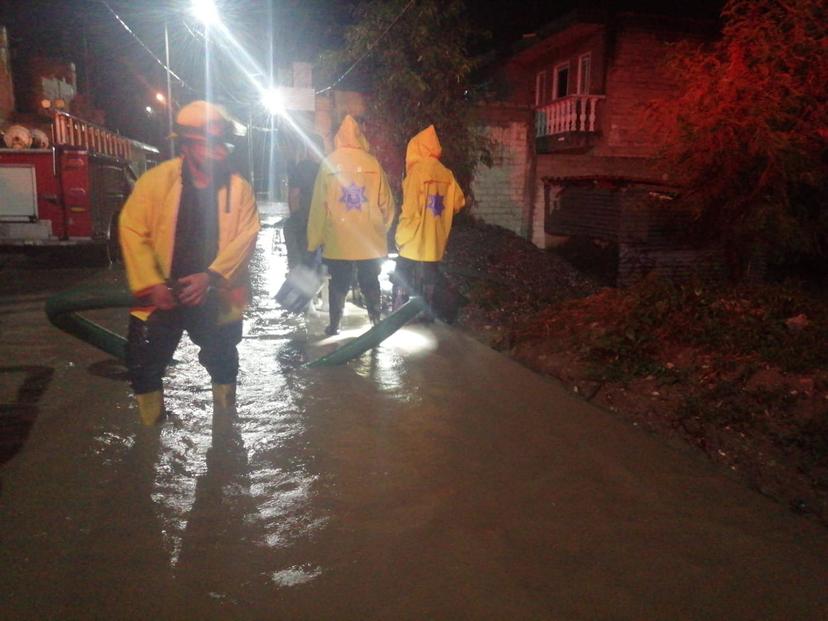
[193, 289]
[161, 297]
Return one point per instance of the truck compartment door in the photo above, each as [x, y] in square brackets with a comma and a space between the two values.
[18, 193]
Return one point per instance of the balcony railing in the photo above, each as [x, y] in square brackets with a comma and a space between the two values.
[575, 113]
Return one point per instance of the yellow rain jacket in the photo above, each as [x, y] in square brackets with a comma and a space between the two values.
[147, 234]
[431, 197]
[352, 207]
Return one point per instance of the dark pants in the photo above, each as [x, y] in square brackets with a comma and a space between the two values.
[152, 343]
[295, 232]
[342, 274]
[412, 277]
[415, 276]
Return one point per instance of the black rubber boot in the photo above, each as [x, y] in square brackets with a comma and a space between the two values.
[428, 298]
[336, 304]
[400, 297]
[373, 302]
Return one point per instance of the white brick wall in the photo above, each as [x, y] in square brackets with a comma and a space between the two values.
[500, 191]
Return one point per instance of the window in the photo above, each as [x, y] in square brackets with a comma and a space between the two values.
[583, 74]
[540, 89]
[561, 86]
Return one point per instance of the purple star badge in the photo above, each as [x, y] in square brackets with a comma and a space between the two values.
[353, 196]
[435, 204]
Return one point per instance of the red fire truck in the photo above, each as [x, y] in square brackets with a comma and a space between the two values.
[69, 189]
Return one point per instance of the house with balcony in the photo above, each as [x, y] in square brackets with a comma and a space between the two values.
[575, 154]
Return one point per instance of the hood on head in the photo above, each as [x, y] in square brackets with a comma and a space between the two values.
[350, 135]
[422, 146]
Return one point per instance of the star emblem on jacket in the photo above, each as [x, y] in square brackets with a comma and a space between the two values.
[435, 204]
[353, 196]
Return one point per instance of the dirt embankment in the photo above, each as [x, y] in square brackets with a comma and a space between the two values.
[739, 372]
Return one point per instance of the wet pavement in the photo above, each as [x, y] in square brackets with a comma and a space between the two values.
[430, 479]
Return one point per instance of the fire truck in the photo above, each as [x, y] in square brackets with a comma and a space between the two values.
[66, 189]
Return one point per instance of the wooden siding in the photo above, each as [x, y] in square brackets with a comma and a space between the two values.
[586, 211]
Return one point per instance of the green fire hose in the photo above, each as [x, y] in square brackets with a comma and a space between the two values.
[62, 310]
[374, 336]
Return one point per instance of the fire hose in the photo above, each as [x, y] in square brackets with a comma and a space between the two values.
[372, 337]
[63, 311]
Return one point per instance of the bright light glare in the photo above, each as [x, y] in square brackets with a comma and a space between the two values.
[159, 97]
[388, 267]
[412, 341]
[205, 11]
[148, 109]
[273, 101]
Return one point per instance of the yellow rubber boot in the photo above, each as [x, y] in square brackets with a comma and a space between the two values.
[224, 396]
[150, 407]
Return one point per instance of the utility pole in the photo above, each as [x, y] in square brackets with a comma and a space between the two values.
[169, 90]
[250, 148]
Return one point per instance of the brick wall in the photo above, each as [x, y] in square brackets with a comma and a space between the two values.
[6, 85]
[501, 191]
[636, 76]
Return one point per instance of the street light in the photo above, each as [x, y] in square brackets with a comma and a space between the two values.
[159, 97]
[149, 109]
[205, 11]
[273, 100]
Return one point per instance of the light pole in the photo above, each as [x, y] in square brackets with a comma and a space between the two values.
[250, 165]
[169, 90]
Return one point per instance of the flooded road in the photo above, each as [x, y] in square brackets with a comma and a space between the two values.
[430, 479]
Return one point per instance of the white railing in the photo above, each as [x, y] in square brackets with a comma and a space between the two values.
[70, 130]
[575, 113]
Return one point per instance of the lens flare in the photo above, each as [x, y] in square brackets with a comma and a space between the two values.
[206, 12]
[273, 100]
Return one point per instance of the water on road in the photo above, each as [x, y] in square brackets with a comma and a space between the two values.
[429, 479]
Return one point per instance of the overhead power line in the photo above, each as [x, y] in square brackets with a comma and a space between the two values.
[148, 50]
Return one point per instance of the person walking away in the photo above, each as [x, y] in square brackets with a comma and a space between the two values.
[300, 191]
[351, 212]
[187, 232]
[431, 197]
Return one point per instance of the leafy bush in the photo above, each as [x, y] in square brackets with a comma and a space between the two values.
[741, 321]
[747, 132]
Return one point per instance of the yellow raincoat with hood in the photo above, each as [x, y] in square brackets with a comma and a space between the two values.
[352, 207]
[147, 234]
[431, 197]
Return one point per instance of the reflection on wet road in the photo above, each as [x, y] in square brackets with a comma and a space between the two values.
[429, 479]
[255, 471]
[245, 487]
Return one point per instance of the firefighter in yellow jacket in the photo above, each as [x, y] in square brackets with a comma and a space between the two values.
[187, 232]
[431, 197]
[351, 212]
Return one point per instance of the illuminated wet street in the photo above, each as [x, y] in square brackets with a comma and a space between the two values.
[431, 479]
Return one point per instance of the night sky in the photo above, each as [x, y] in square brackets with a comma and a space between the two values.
[123, 77]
